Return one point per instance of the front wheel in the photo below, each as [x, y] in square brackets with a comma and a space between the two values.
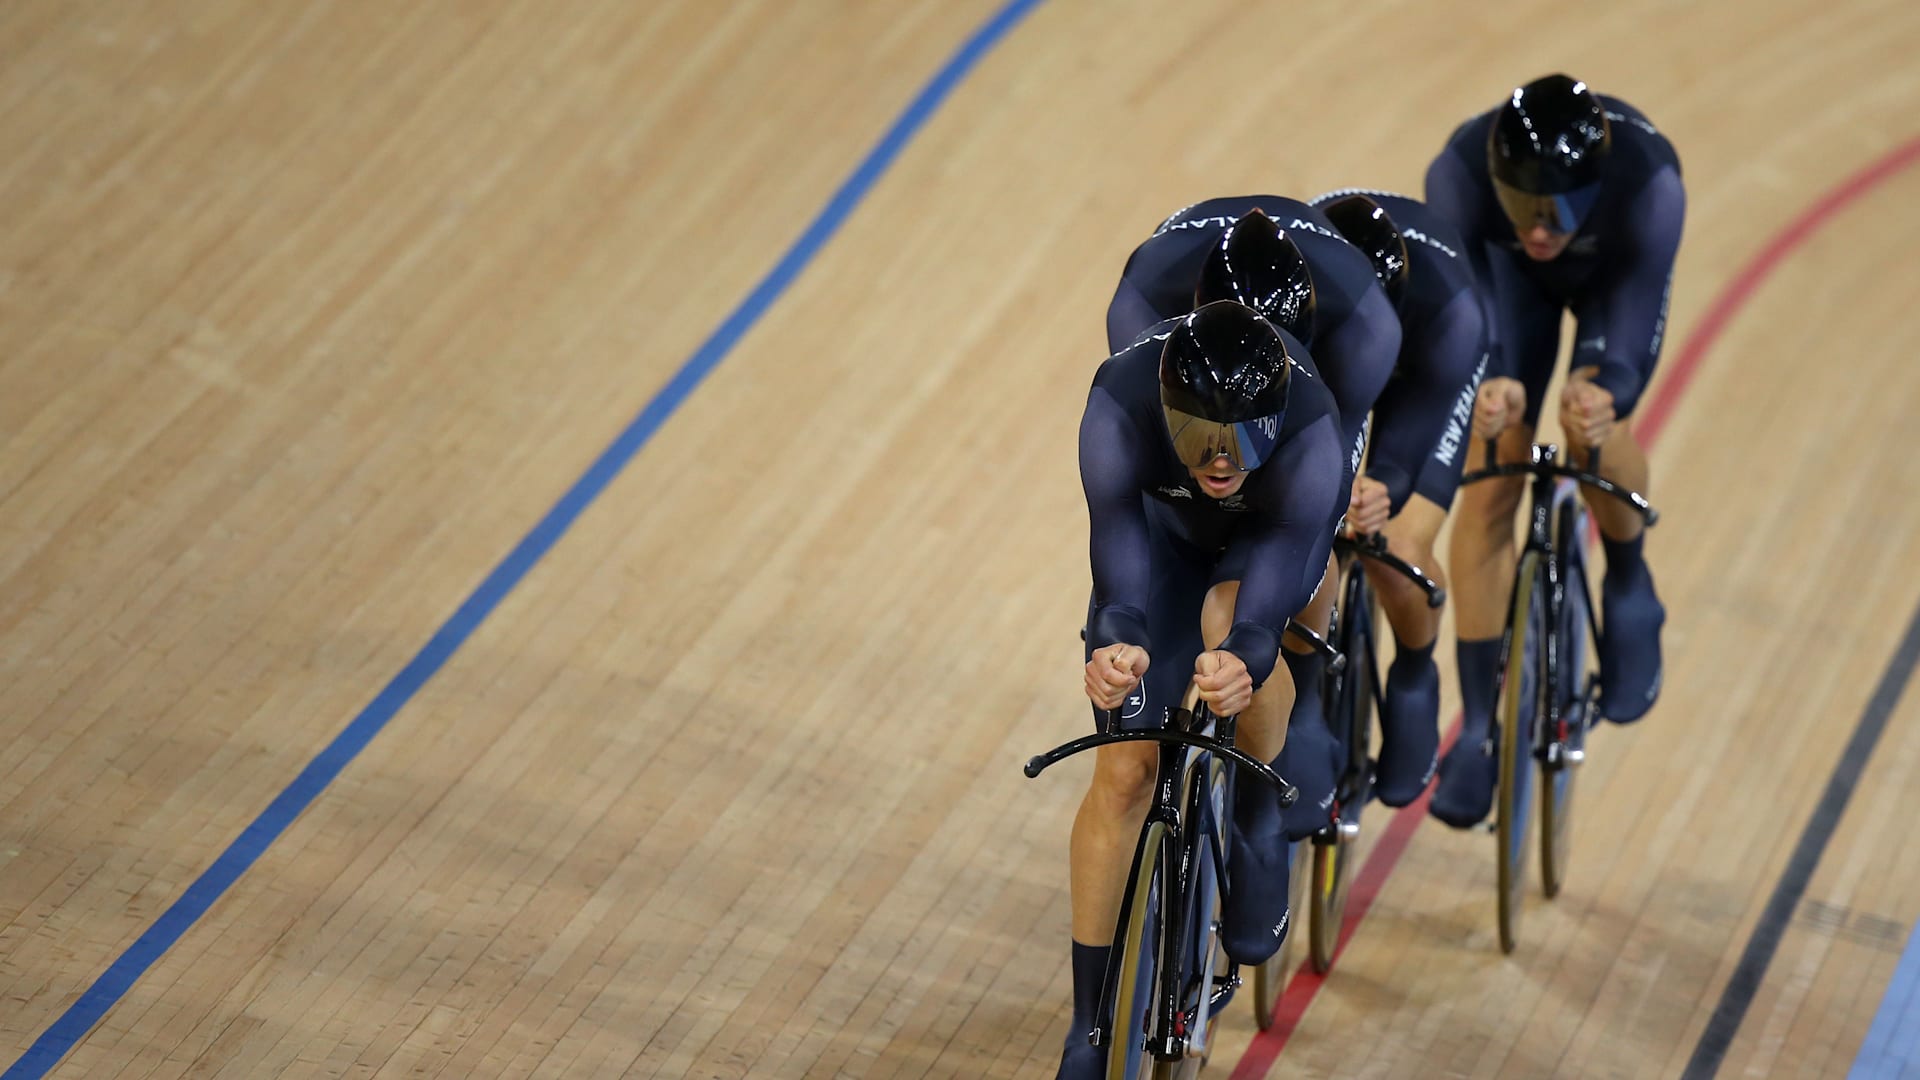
[1137, 958]
[1334, 853]
[1515, 707]
[1206, 977]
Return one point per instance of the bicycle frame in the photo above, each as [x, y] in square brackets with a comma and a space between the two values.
[1545, 470]
[1354, 553]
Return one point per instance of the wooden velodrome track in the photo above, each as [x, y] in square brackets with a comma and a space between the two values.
[309, 313]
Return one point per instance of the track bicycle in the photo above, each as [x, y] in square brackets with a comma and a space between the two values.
[1168, 977]
[1547, 692]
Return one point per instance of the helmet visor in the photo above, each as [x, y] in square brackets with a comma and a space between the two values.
[1561, 214]
[1197, 441]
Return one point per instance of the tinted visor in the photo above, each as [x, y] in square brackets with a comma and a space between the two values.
[1561, 213]
[1197, 441]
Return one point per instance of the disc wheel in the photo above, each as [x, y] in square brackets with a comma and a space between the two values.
[1208, 806]
[1573, 696]
[1519, 697]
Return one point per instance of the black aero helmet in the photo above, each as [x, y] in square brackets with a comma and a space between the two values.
[1546, 151]
[1256, 264]
[1366, 226]
[1223, 386]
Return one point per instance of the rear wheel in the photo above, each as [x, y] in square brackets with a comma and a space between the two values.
[1270, 978]
[1137, 958]
[1332, 868]
[1515, 708]
[1573, 695]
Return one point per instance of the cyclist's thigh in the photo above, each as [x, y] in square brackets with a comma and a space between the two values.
[1231, 567]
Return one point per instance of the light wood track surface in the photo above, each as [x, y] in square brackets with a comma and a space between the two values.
[309, 312]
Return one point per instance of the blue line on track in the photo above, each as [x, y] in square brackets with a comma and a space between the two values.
[113, 984]
[1724, 1024]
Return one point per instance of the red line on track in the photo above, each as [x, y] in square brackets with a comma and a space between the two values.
[1305, 985]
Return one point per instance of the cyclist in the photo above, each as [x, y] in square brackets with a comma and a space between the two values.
[1287, 259]
[1420, 427]
[1567, 201]
[1212, 464]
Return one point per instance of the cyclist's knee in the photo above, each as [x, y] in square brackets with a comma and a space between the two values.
[1398, 593]
[1123, 777]
[1216, 613]
[1489, 505]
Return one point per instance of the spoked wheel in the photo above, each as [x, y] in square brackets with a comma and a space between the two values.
[1270, 978]
[1352, 709]
[1574, 694]
[1516, 706]
[1137, 958]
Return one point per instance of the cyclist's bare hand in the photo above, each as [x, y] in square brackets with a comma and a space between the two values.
[1369, 508]
[1502, 401]
[1113, 673]
[1224, 682]
[1586, 408]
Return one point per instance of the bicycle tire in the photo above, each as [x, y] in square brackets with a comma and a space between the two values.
[1571, 693]
[1516, 706]
[1270, 978]
[1333, 857]
[1138, 958]
[1203, 954]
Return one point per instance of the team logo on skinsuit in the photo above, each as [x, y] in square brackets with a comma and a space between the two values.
[1136, 702]
[1461, 417]
[1412, 233]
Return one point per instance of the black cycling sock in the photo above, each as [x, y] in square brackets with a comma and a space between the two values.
[1306, 669]
[1479, 663]
[1406, 654]
[1089, 969]
[1625, 562]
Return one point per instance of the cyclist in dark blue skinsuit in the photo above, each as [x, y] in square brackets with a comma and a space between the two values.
[1349, 323]
[1567, 201]
[1345, 318]
[1415, 451]
[1212, 463]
